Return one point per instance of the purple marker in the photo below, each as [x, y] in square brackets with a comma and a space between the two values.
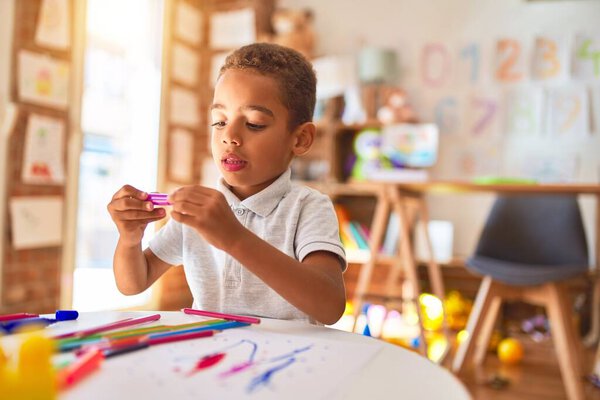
[158, 199]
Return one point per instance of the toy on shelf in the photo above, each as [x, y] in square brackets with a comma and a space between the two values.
[367, 149]
[395, 107]
[293, 28]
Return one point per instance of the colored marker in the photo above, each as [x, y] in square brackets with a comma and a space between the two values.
[145, 342]
[80, 368]
[75, 343]
[109, 327]
[12, 317]
[221, 326]
[158, 199]
[40, 322]
[231, 317]
[66, 315]
[117, 351]
[179, 337]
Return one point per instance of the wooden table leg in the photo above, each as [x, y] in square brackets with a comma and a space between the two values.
[406, 254]
[378, 228]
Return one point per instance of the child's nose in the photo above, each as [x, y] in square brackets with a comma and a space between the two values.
[230, 137]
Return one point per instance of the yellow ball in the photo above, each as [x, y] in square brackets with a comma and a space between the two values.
[510, 351]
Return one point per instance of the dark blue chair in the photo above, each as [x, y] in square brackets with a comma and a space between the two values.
[529, 246]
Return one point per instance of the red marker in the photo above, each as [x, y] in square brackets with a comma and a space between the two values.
[12, 317]
[80, 368]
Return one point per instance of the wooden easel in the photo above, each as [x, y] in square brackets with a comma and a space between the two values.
[410, 208]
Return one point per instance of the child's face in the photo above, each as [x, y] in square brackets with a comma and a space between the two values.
[250, 140]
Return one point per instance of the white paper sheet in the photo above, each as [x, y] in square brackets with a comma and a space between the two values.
[256, 364]
[43, 80]
[188, 23]
[231, 29]
[43, 155]
[181, 156]
[524, 111]
[550, 60]
[185, 64]
[36, 221]
[586, 52]
[568, 111]
[53, 26]
[184, 108]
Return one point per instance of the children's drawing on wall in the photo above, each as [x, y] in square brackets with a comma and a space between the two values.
[547, 167]
[43, 80]
[467, 158]
[586, 60]
[550, 58]
[36, 221]
[43, 155]
[483, 114]
[523, 107]
[188, 26]
[510, 61]
[53, 26]
[567, 111]
[236, 363]
[447, 115]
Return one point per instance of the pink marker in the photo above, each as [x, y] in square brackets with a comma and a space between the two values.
[230, 317]
[158, 199]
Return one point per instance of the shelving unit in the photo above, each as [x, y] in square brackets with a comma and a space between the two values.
[372, 203]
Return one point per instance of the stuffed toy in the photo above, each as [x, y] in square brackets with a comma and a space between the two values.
[293, 28]
[395, 109]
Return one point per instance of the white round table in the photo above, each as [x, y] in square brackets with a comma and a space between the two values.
[386, 371]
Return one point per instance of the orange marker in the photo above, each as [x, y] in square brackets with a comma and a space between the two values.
[80, 368]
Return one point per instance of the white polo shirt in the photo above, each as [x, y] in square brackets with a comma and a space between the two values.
[295, 219]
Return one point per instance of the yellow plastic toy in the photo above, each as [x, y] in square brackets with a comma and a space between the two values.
[34, 377]
[510, 351]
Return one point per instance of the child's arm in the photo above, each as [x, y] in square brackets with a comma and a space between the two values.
[314, 286]
[135, 270]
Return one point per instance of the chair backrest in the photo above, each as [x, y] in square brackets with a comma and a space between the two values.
[535, 229]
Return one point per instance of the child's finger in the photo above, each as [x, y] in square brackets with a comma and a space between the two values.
[130, 191]
[129, 203]
[132, 215]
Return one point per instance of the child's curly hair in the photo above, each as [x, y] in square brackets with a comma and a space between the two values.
[294, 74]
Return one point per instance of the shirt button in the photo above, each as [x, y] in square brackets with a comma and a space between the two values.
[240, 211]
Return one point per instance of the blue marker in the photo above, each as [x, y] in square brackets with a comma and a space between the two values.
[66, 315]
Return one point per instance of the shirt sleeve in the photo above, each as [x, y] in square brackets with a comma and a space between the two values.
[167, 243]
[318, 229]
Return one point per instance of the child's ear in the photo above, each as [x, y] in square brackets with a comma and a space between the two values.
[304, 136]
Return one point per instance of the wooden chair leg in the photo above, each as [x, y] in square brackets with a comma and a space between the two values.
[482, 304]
[483, 340]
[594, 334]
[564, 339]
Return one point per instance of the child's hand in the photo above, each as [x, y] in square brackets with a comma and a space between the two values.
[131, 213]
[207, 211]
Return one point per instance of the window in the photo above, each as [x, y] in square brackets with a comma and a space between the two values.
[120, 124]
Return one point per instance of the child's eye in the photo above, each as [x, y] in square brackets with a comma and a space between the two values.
[218, 124]
[255, 127]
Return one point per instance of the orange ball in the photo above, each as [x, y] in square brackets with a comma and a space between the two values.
[510, 351]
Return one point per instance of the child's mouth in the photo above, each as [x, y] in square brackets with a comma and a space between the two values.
[233, 163]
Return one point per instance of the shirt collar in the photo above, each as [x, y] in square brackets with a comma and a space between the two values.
[263, 202]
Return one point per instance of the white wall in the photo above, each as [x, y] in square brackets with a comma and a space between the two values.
[343, 26]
